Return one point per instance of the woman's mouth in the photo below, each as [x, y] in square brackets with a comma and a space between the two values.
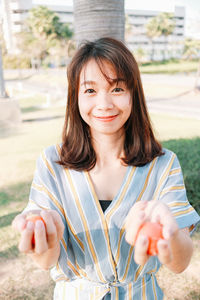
[105, 118]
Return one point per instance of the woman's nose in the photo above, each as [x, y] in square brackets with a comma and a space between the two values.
[104, 101]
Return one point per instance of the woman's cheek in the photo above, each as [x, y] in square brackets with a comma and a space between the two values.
[125, 105]
[124, 102]
[85, 109]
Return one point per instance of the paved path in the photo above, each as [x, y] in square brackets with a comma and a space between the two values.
[185, 104]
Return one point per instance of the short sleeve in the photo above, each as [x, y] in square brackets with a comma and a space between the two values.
[44, 192]
[173, 193]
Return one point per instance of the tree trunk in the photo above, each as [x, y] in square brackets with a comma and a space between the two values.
[197, 85]
[152, 49]
[94, 19]
[2, 85]
[165, 46]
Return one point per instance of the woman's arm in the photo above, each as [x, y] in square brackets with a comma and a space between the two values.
[181, 251]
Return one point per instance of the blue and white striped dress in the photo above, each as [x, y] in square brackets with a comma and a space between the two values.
[95, 260]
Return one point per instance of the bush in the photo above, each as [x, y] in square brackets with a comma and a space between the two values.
[188, 154]
[16, 62]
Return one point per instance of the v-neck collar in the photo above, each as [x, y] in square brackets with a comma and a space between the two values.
[116, 201]
[106, 216]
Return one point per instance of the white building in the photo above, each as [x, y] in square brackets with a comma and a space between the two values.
[16, 11]
[137, 38]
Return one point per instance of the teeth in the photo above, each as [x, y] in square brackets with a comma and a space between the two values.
[106, 117]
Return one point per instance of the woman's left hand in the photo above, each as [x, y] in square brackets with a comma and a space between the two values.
[153, 211]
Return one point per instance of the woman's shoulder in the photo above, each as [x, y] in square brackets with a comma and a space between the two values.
[168, 155]
[52, 152]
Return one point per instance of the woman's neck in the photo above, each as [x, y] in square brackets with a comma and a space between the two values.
[109, 149]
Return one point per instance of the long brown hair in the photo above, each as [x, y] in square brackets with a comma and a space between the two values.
[140, 145]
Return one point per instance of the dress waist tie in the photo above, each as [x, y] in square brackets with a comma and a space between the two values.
[83, 289]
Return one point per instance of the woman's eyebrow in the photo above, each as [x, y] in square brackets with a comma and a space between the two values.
[117, 80]
[88, 82]
[112, 80]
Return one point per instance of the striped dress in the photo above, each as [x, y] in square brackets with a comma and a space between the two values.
[95, 260]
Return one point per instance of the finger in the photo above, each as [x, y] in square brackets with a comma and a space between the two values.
[164, 252]
[19, 222]
[133, 227]
[141, 205]
[137, 209]
[51, 230]
[58, 223]
[160, 213]
[150, 209]
[41, 245]
[169, 231]
[170, 226]
[25, 244]
[141, 247]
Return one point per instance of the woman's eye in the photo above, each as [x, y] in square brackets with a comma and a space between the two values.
[89, 91]
[117, 90]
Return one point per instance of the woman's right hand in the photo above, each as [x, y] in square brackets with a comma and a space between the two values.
[46, 237]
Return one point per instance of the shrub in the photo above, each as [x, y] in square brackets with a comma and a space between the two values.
[188, 154]
[16, 62]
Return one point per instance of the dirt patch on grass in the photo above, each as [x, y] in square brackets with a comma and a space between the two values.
[22, 279]
[184, 286]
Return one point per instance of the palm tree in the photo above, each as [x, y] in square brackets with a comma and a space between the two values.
[161, 25]
[98, 18]
[166, 26]
[43, 33]
[192, 50]
[152, 32]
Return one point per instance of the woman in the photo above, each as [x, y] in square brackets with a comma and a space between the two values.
[108, 177]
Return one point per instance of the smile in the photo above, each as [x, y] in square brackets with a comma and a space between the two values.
[106, 118]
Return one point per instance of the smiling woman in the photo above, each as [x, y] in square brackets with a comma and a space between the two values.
[113, 70]
[108, 153]
[104, 104]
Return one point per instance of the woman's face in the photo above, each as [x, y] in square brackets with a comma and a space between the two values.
[104, 106]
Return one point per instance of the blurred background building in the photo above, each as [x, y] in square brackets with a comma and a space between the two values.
[138, 38]
[14, 13]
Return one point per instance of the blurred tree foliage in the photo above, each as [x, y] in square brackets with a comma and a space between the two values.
[192, 51]
[44, 35]
[44, 24]
[161, 25]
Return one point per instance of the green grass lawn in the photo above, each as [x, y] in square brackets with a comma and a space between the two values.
[169, 67]
[58, 77]
[20, 278]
